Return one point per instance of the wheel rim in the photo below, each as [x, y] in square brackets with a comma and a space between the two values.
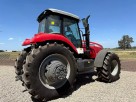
[114, 68]
[54, 71]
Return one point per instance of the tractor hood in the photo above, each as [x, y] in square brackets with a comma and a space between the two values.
[94, 48]
[92, 44]
[96, 45]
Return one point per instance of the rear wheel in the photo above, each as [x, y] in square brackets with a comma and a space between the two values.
[49, 72]
[110, 71]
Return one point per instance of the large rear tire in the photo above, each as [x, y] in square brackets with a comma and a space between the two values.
[110, 71]
[49, 72]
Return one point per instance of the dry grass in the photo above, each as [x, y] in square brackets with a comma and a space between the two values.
[127, 54]
[9, 55]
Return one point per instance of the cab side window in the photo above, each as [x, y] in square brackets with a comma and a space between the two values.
[71, 31]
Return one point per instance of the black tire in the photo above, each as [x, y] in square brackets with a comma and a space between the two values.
[19, 63]
[37, 63]
[110, 71]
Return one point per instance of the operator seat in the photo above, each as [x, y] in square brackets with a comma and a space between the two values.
[69, 34]
[50, 30]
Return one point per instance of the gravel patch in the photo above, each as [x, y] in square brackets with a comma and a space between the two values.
[123, 90]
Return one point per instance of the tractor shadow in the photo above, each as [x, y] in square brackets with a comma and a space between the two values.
[81, 80]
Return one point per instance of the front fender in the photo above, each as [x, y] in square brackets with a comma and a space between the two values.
[26, 42]
[100, 58]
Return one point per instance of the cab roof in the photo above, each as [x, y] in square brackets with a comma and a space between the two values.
[58, 12]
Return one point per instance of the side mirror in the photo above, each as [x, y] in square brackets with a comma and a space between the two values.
[85, 21]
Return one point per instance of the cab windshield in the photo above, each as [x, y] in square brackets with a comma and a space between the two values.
[51, 24]
[56, 24]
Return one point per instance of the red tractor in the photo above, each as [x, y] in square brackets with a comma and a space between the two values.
[58, 53]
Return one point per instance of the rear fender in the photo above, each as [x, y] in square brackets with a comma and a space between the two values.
[43, 37]
[100, 58]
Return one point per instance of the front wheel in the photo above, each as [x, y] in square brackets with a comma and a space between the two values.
[19, 63]
[49, 72]
[110, 71]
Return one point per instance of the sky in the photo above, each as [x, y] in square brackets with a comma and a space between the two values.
[109, 21]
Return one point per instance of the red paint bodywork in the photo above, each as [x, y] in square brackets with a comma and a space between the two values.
[26, 42]
[42, 37]
[95, 48]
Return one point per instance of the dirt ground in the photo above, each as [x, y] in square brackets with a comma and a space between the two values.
[122, 90]
[7, 62]
[85, 89]
[126, 64]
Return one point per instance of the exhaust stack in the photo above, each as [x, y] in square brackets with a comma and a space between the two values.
[87, 32]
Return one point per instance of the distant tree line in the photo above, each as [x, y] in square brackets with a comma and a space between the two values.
[14, 51]
[6, 51]
[125, 42]
[2, 51]
[134, 47]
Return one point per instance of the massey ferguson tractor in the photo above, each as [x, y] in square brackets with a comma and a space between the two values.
[48, 66]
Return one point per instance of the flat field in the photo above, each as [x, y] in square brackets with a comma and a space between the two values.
[126, 54]
[123, 54]
[9, 55]
[8, 58]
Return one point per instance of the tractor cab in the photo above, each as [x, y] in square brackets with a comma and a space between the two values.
[62, 27]
[53, 21]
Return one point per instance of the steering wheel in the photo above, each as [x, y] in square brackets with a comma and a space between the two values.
[72, 38]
